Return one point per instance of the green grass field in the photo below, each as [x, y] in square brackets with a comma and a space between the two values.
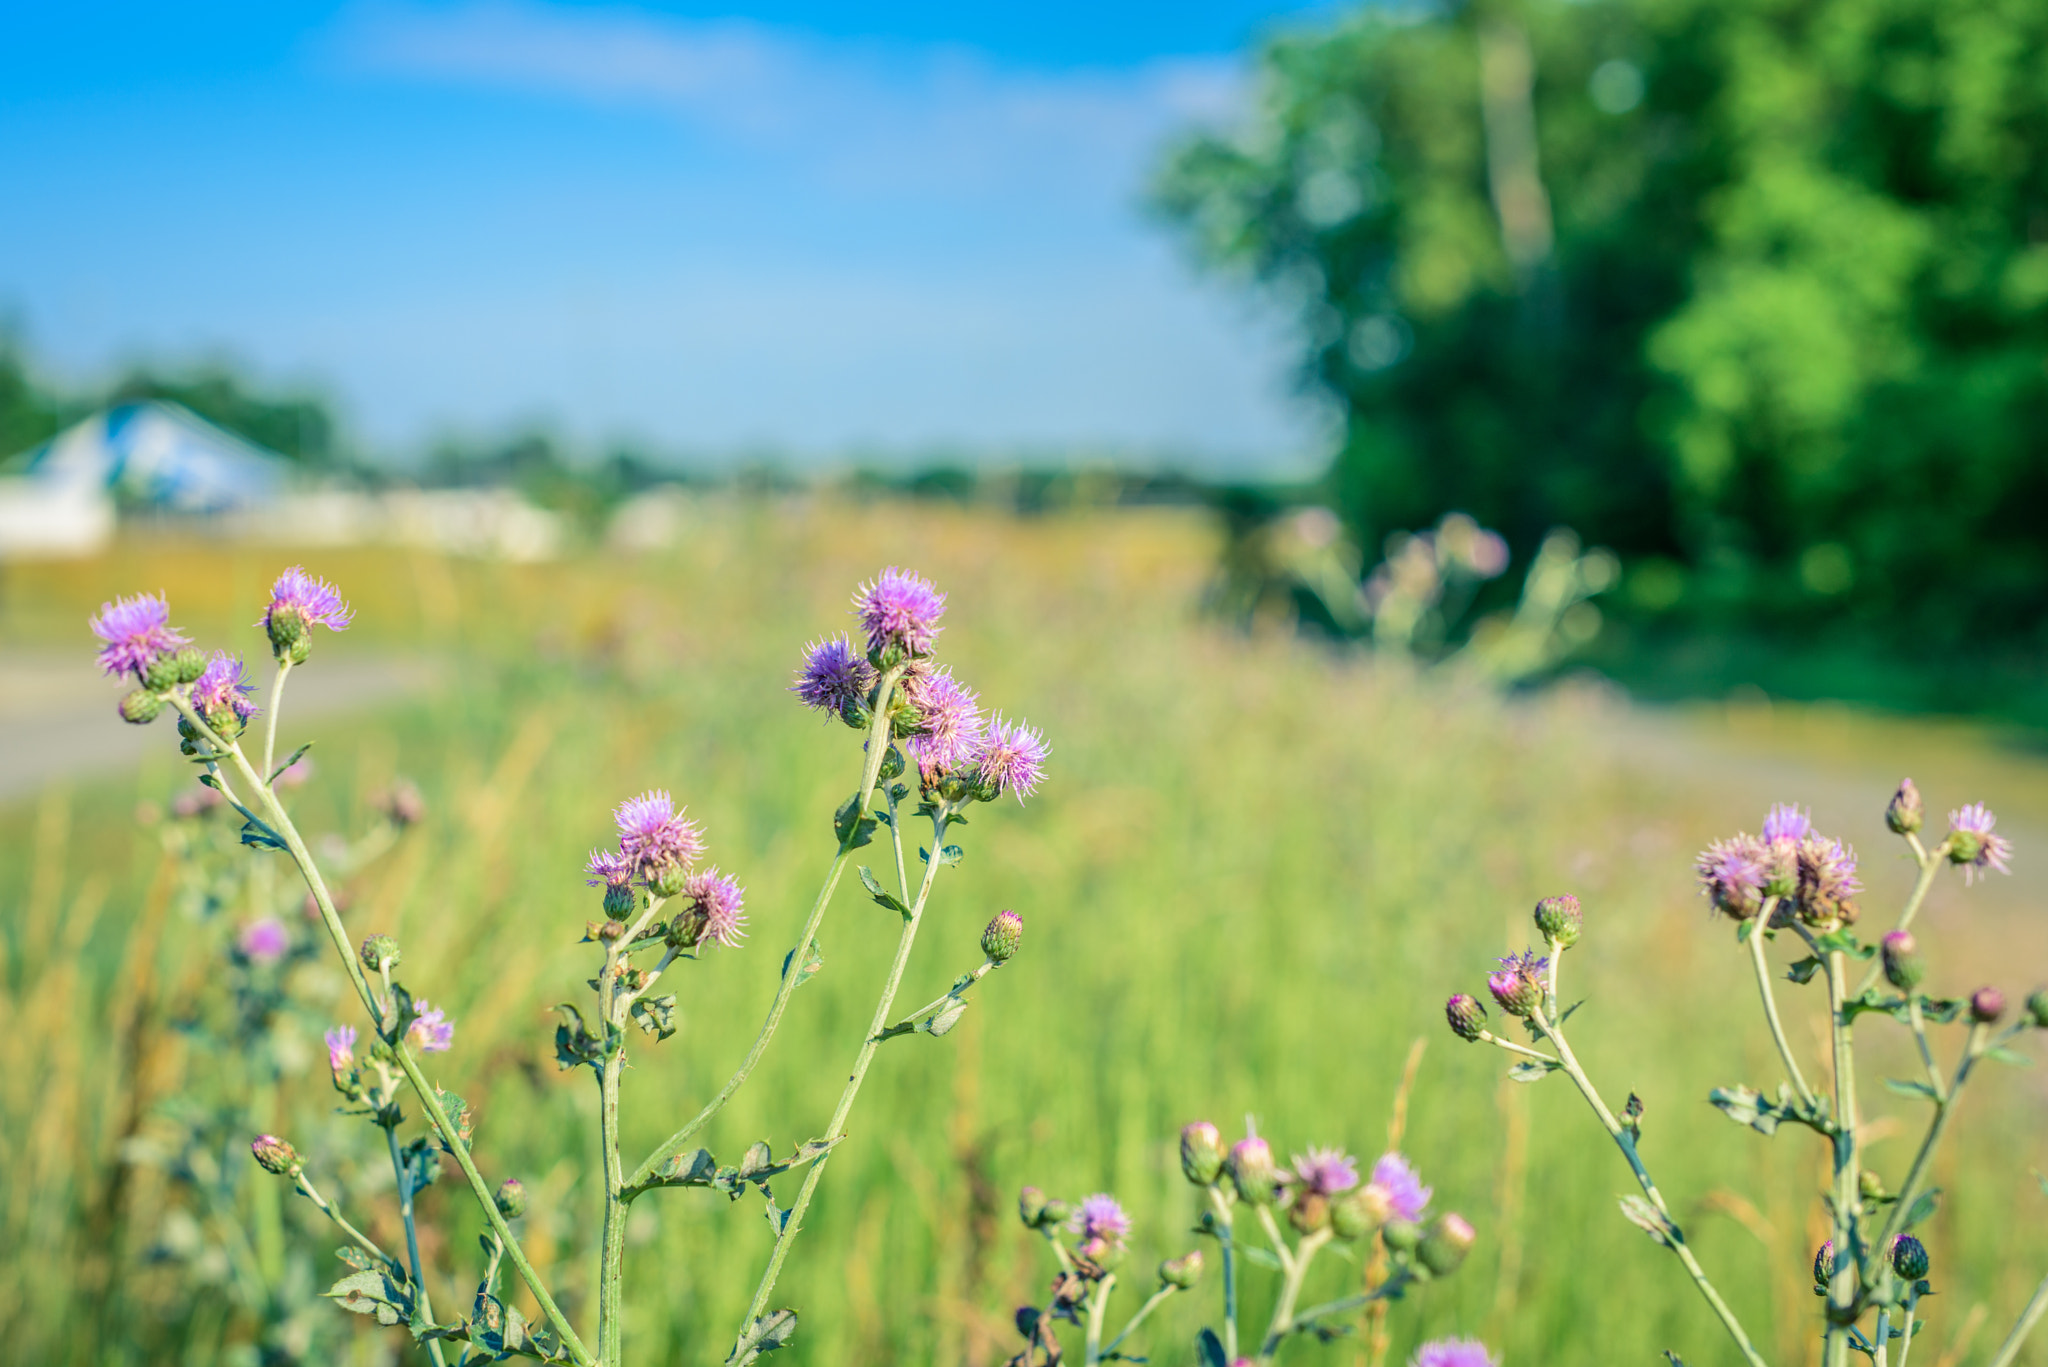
[1257, 870]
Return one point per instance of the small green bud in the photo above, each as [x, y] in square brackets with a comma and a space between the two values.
[301, 650]
[1467, 1017]
[610, 931]
[1031, 1207]
[854, 714]
[1107, 1254]
[620, 901]
[511, 1198]
[1904, 814]
[668, 880]
[1309, 1212]
[1824, 1266]
[1964, 847]
[1056, 1213]
[189, 664]
[274, 1155]
[1559, 920]
[1360, 1211]
[160, 675]
[1870, 1186]
[1401, 1236]
[380, 952]
[287, 629]
[1003, 936]
[892, 764]
[2037, 1007]
[140, 707]
[1183, 1272]
[1445, 1245]
[1252, 1171]
[1903, 965]
[1201, 1152]
[1909, 1258]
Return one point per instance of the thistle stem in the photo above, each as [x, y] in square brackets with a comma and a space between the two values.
[1226, 1237]
[877, 748]
[609, 1274]
[1489, 1037]
[2024, 1326]
[1841, 1287]
[1277, 1239]
[284, 667]
[1906, 1328]
[1918, 1020]
[362, 1240]
[423, 1307]
[1098, 1306]
[1930, 865]
[1763, 986]
[1152, 1302]
[1880, 1342]
[1282, 1322]
[1357, 1300]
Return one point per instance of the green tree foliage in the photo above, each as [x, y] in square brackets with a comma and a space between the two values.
[295, 425]
[1755, 287]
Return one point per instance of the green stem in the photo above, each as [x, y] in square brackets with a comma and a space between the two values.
[1098, 1306]
[284, 667]
[1763, 986]
[1930, 865]
[2029, 1317]
[1676, 1238]
[1842, 1286]
[877, 747]
[1393, 1287]
[1906, 1329]
[1880, 1344]
[792, 1223]
[423, 1306]
[1282, 1321]
[1487, 1036]
[1918, 1020]
[1944, 1107]
[1226, 1236]
[361, 1240]
[610, 1302]
[1151, 1303]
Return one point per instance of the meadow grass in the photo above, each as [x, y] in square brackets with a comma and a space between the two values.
[1257, 870]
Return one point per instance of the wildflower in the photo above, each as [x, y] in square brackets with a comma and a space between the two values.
[899, 610]
[835, 678]
[221, 693]
[1012, 759]
[1252, 1171]
[1406, 1197]
[612, 871]
[714, 913]
[1904, 812]
[1559, 920]
[1827, 880]
[1003, 936]
[1518, 984]
[299, 602]
[1972, 844]
[510, 1198]
[1183, 1272]
[379, 952]
[654, 835]
[1325, 1171]
[1732, 874]
[274, 1155]
[264, 941]
[1909, 1257]
[1100, 1217]
[1453, 1353]
[1824, 1265]
[341, 1048]
[137, 633]
[1903, 965]
[431, 1031]
[1445, 1243]
[1987, 1004]
[1787, 822]
[948, 732]
[1466, 1015]
[1032, 1205]
[1201, 1152]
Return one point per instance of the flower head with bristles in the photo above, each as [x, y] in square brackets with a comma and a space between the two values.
[264, 941]
[1453, 1353]
[1101, 1217]
[431, 1031]
[608, 869]
[299, 599]
[949, 727]
[1787, 822]
[1732, 874]
[717, 903]
[899, 610]
[223, 690]
[1406, 1197]
[341, 1048]
[1827, 880]
[1325, 1172]
[655, 836]
[835, 677]
[1012, 757]
[1972, 843]
[1519, 982]
[136, 632]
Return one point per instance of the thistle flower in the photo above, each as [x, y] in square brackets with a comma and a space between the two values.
[1905, 813]
[137, 632]
[1827, 880]
[431, 1031]
[1559, 920]
[1201, 1152]
[264, 941]
[1732, 873]
[834, 677]
[1824, 1265]
[379, 952]
[1466, 1016]
[654, 835]
[299, 602]
[716, 913]
[900, 610]
[510, 1198]
[1787, 822]
[276, 1156]
[1012, 758]
[1909, 1257]
[221, 693]
[1904, 966]
[1252, 1171]
[1406, 1197]
[1325, 1172]
[1972, 844]
[341, 1048]
[949, 727]
[1987, 1004]
[1518, 984]
[608, 869]
[1453, 1353]
[1101, 1217]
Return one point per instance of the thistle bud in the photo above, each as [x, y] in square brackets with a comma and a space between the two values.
[1518, 984]
[510, 1198]
[1252, 1171]
[188, 664]
[286, 627]
[1056, 1213]
[1201, 1152]
[1027, 1321]
[1905, 814]
[1183, 1272]
[160, 675]
[1466, 1015]
[668, 880]
[1903, 965]
[1559, 920]
[620, 901]
[1445, 1244]
[140, 707]
[1003, 936]
[1870, 1186]
[1909, 1258]
[2037, 1007]
[276, 1156]
[1360, 1211]
[1031, 1207]
[610, 931]
[1824, 1266]
[1987, 1004]
[1401, 1236]
[1309, 1212]
[379, 953]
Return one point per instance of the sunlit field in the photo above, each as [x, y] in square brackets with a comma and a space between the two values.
[1256, 871]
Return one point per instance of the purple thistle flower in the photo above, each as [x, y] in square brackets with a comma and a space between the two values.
[223, 686]
[1827, 879]
[432, 1032]
[341, 1048]
[949, 734]
[310, 601]
[653, 833]
[721, 900]
[265, 941]
[1453, 1353]
[1406, 1197]
[899, 609]
[608, 869]
[1012, 757]
[1101, 1217]
[1973, 845]
[1733, 873]
[135, 631]
[1519, 983]
[1787, 822]
[1325, 1171]
[834, 676]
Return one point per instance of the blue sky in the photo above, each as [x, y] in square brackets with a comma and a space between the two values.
[804, 229]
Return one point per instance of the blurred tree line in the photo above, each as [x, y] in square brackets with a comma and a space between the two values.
[1753, 291]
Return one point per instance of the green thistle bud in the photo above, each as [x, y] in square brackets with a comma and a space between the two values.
[1252, 1171]
[854, 714]
[188, 664]
[1401, 1236]
[1056, 1213]
[301, 650]
[1309, 1212]
[620, 901]
[380, 952]
[1445, 1245]
[161, 674]
[1467, 1017]
[892, 764]
[1201, 1152]
[668, 880]
[1032, 1205]
[1964, 847]
[1909, 1258]
[1360, 1211]
[1183, 1272]
[1824, 1266]
[511, 1198]
[2037, 1007]
[1559, 920]
[140, 707]
[1003, 936]
[287, 629]
[1903, 965]
[274, 1155]
[1905, 814]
